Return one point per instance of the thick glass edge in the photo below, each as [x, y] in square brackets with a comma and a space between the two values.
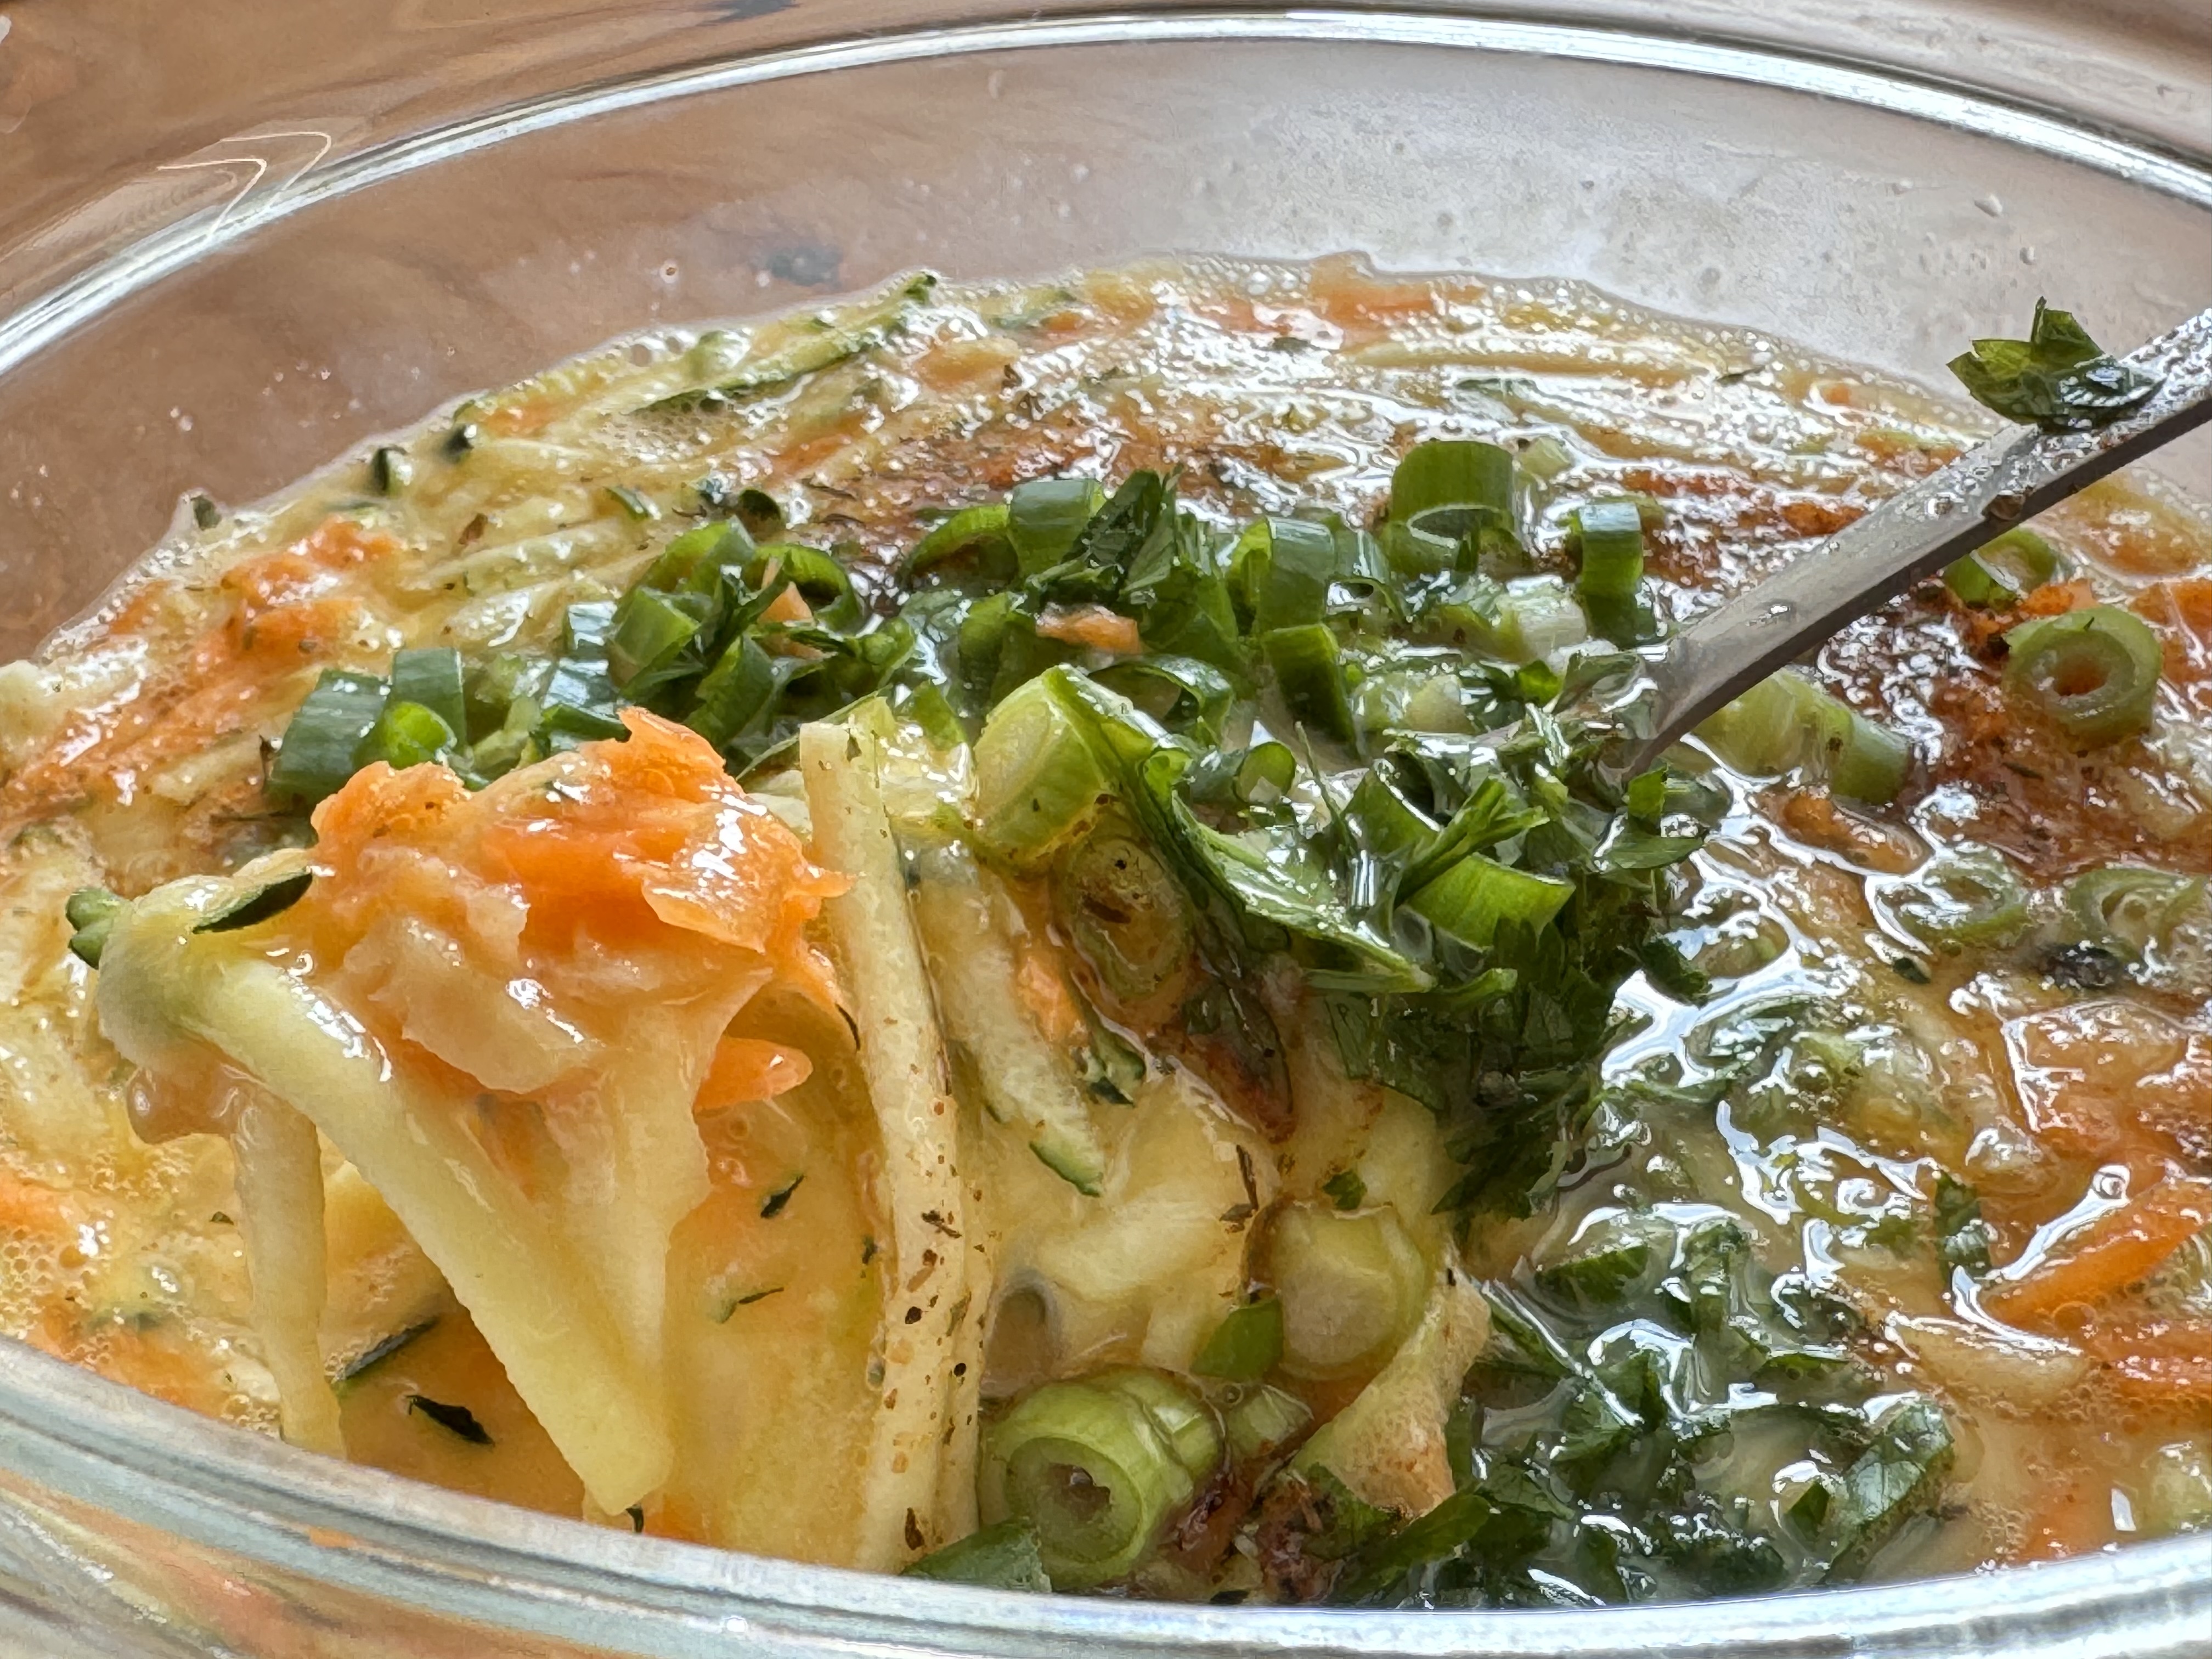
[229, 1490]
[203, 229]
[423, 1548]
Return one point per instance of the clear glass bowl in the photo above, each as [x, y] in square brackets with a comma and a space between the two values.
[262, 234]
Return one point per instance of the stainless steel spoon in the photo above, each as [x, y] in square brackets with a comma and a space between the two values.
[1943, 517]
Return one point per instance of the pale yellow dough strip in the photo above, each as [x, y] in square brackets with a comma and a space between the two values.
[925, 1301]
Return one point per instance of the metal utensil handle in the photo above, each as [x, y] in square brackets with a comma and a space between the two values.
[1942, 517]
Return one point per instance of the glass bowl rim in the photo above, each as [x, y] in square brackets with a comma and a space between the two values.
[399, 1541]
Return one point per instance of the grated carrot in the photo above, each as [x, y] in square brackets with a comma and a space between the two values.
[749, 1069]
[1092, 625]
[2099, 1261]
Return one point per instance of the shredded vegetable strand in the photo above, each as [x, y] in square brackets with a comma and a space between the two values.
[903, 1057]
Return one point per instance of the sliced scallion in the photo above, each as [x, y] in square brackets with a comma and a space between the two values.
[1309, 670]
[406, 734]
[1003, 1556]
[1786, 720]
[977, 530]
[1471, 899]
[390, 471]
[2096, 671]
[650, 628]
[1609, 536]
[2001, 573]
[91, 912]
[1352, 1284]
[634, 506]
[1287, 579]
[1262, 1421]
[432, 677]
[1037, 783]
[1537, 618]
[580, 702]
[690, 559]
[315, 756]
[759, 513]
[1093, 1470]
[821, 579]
[1960, 897]
[258, 904]
[1445, 494]
[2129, 909]
[1763, 732]
[1045, 516]
[1866, 761]
[734, 692]
[1123, 912]
[1182, 693]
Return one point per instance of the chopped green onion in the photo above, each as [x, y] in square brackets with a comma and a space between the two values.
[650, 628]
[1193, 1434]
[1763, 732]
[315, 756]
[1447, 493]
[1786, 720]
[1308, 671]
[1124, 913]
[389, 471]
[1472, 898]
[698, 552]
[1182, 693]
[927, 707]
[406, 734]
[1537, 619]
[580, 702]
[91, 912]
[2001, 573]
[634, 506]
[1967, 896]
[1286, 576]
[2096, 671]
[250, 909]
[979, 530]
[2129, 909]
[1045, 516]
[1037, 783]
[513, 744]
[1386, 826]
[1352, 1285]
[1867, 762]
[821, 579]
[1094, 1470]
[758, 512]
[432, 677]
[1247, 1344]
[1003, 1557]
[734, 693]
[1610, 537]
[1262, 1421]
[1545, 457]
